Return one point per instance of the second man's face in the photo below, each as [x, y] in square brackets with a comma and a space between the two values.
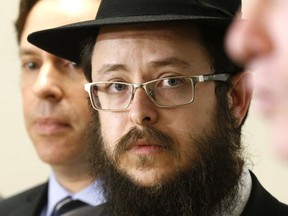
[54, 101]
[155, 142]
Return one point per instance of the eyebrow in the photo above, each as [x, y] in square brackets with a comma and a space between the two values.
[171, 61]
[106, 68]
[24, 51]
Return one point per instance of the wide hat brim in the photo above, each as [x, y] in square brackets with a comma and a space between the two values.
[66, 41]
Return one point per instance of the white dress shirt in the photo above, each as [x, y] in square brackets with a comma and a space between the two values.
[92, 195]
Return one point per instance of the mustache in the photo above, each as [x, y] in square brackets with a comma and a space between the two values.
[151, 135]
[48, 109]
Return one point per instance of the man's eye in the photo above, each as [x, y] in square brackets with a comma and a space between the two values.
[116, 87]
[70, 65]
[75, 65]
[119, 86]
[30, 66]
[171, 82]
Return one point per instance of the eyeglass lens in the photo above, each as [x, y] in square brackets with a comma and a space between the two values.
[163, 92]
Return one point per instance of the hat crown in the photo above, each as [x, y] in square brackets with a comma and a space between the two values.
[132, 8]
[66, 41]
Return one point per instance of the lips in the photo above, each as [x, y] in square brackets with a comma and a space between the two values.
[144, 147]
[48, 126]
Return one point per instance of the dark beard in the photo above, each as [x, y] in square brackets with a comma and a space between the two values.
[207, 187]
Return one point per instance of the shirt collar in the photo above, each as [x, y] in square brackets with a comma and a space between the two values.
[92, 194]
[245, 186]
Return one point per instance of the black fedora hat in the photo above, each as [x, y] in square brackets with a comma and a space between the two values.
[65, 41]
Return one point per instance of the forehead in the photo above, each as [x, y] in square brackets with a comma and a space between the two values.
[148, 38]
[169, 30]
[52, 13]
[144, 47]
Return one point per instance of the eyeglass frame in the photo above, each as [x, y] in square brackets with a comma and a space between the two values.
[222, 77]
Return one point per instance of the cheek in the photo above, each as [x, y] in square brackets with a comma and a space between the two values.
[280, 66]
[279, 32]
[197, 117]
[28, 100]
[25, 85]
[189, 122]
[80, 100]
[112, 126]
[278, 137]
[27, 82]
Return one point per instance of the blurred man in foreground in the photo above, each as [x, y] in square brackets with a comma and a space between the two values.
[261, 44]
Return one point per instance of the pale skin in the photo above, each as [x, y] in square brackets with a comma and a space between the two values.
[140, 54]
[54, 102]
[261, 44]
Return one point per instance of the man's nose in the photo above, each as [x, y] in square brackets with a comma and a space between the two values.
[48, 83]
[142, 110]
[248, 39]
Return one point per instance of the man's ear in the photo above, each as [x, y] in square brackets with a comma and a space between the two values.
[240, 95]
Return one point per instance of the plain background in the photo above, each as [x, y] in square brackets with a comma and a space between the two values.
[20, 167]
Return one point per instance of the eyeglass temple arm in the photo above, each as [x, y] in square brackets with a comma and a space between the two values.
[216, 77]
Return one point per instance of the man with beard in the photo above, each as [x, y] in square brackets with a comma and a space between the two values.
[171, 107]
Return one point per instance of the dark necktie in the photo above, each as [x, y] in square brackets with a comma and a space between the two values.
[67, 205]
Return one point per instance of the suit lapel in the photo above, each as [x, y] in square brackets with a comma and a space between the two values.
[33, 203]
[260, 202]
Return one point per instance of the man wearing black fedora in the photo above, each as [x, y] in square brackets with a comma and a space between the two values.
[171, 108]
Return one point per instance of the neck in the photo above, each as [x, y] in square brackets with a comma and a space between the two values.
[72, 178]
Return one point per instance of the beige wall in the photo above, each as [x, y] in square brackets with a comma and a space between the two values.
[19, 166]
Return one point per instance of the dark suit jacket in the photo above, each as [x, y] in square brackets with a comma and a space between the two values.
[260, 203]
[27, 203]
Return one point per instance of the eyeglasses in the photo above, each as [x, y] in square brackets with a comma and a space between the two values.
[164, 92]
